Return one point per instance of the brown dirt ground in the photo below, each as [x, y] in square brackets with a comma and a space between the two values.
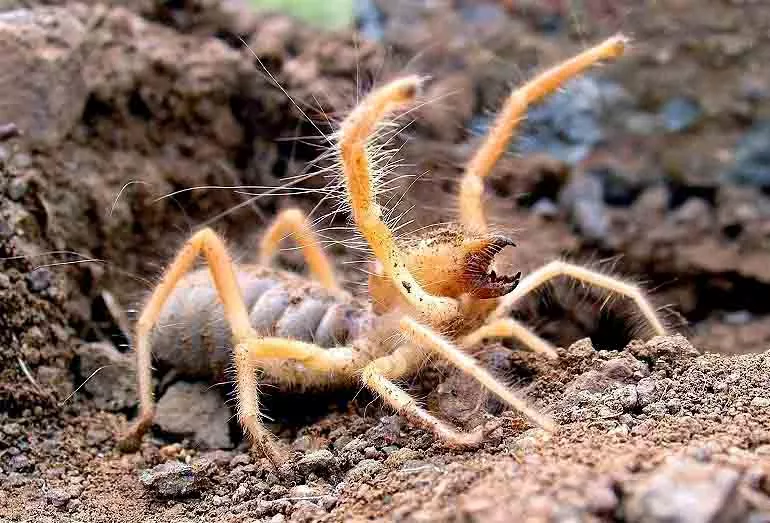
[163, 95]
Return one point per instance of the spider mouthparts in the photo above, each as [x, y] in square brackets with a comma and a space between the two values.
[495, 285]
[485, 285]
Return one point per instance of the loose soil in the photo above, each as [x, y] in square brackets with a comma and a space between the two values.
[120, 106]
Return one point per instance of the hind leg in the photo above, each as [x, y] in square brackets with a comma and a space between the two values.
[293, 222]
[250, 347]
[204, 242]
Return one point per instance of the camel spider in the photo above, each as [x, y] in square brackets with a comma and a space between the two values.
[437, 291]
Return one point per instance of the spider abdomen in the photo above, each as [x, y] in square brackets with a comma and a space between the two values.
[193, 337]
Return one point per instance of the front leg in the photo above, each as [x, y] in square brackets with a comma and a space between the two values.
[378, 376]
[425, 337]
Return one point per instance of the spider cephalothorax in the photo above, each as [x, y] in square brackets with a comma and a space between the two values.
[438, 290]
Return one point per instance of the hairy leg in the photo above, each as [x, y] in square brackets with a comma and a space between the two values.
[355, 134]
[406, 359]
[558, 268]
[250, 352]
[204, 242]
[250, 346]
[509, 328]
[425, 337]
[292, 222]
[496, 142]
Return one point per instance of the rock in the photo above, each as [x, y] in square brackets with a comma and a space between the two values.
[680, 114]
[545, 208]
[111, 376]
[601, 499]
[685, 491]
[569, 124]
[760, 402]
[305, 510]
[12, 429]
[195, 410]
[173, 479]
[304, 491]
[400, 456]
[751, 165]
[370, 20]
[20, 463]
[583, 199]
[366, 469]
[58, 497]
[319, 462]
[738, 317]
[645, 391]
[41, 63]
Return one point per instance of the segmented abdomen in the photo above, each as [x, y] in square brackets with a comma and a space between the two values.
[193, 336]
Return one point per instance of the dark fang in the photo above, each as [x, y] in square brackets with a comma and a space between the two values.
[489, 285]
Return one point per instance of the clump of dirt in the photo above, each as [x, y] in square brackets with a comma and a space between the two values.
[121, 106]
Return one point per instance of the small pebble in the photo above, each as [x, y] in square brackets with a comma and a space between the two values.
[318, 461]
[171, 479]
[57, 497]
[680, 114]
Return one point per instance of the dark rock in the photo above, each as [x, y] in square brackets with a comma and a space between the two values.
[20, 463]
[370, 20]
[111, 376]
[751, 165]
[680, 114]
[685, 491]
[194, 410]
[39, 280]
[172, 479]
[570, 124]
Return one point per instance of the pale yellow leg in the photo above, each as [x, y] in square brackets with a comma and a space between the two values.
[248, 355]
[378, 376]
[355, 133]
[496, 142]
[509, 328]
[292, 222]
[251, 346]
[424, 337]
[220, 264]
[560, 268]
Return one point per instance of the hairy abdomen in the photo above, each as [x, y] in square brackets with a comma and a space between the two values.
[193, 337]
